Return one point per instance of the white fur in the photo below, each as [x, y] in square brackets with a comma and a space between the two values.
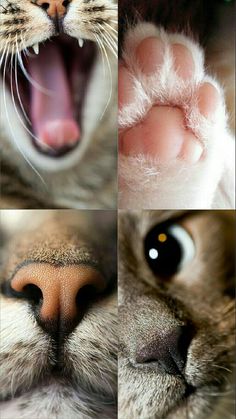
[94, 395]
[148, 183]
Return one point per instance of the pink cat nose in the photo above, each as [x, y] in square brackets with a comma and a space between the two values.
[54, 8]
[58, 292]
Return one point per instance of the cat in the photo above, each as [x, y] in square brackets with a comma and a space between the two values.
[176, 284]
[58, 358]
[175, 129]
[58, 103]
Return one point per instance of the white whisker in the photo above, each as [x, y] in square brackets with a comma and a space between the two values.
[112, 45]
[110, 78]
[16, 110]
[9, 122]
[29, 78]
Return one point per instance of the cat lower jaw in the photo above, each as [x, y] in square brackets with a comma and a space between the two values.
[70, 188]
[57, 402]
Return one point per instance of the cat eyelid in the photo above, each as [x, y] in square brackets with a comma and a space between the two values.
[179, 217]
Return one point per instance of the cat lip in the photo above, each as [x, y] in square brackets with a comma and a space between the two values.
[58, 373]
[72, 69]
[182, 402]
[47, 378]
[187, 393]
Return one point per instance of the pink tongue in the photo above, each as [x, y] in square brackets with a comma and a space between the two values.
[52, 114]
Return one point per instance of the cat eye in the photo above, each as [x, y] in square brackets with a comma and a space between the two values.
[168, 248]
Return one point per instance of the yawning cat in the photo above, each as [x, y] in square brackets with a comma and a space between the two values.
[58, 103]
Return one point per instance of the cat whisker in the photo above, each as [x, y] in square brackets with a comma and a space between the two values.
[9, 122]
[221, 367]
[23, 110]
[23, 43]
[110, 46]
[111, 28]
[109, 41]
[18, 93]
[110, 78]
[220, 394]
[112, 35]
[3, 55]
[102, 54]
[103, 48]
[103, 51]
[29, 78]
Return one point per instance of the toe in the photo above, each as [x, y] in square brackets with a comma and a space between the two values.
[208, 99]
[160, 135]
[191, 151]
[149, 54]
[125, 87]
[183, 61]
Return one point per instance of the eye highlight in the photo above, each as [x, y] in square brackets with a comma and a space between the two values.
[168, 248]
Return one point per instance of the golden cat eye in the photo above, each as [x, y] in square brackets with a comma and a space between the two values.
[168, 248]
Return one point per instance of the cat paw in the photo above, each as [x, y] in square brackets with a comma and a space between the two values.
[173, 135]
[166, 101]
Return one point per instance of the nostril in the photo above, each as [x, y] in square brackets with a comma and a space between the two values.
[33, 293]
[66, 3]
[168, 352]
[45, 6]
[146, 361]
[85, 296]
[29, 292]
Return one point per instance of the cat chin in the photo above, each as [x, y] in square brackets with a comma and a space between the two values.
[98, 92]
[57, 402]
[194, 406]
[170, 398]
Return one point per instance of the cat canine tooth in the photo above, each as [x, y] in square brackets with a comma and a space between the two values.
[81, 42]
[36, 48]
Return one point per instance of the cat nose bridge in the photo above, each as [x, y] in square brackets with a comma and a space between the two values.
[59, 288]
[54, 8]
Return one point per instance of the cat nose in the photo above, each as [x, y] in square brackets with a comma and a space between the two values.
[54, 8]
[168, 352]
[60, 294]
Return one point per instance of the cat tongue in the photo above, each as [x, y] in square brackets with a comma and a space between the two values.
[52, 113]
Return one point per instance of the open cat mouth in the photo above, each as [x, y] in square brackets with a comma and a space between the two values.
[49, 85]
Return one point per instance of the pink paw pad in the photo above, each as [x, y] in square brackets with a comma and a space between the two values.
[163, 133]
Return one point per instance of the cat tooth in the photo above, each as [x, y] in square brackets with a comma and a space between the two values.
[36, 48]
[81, 42]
